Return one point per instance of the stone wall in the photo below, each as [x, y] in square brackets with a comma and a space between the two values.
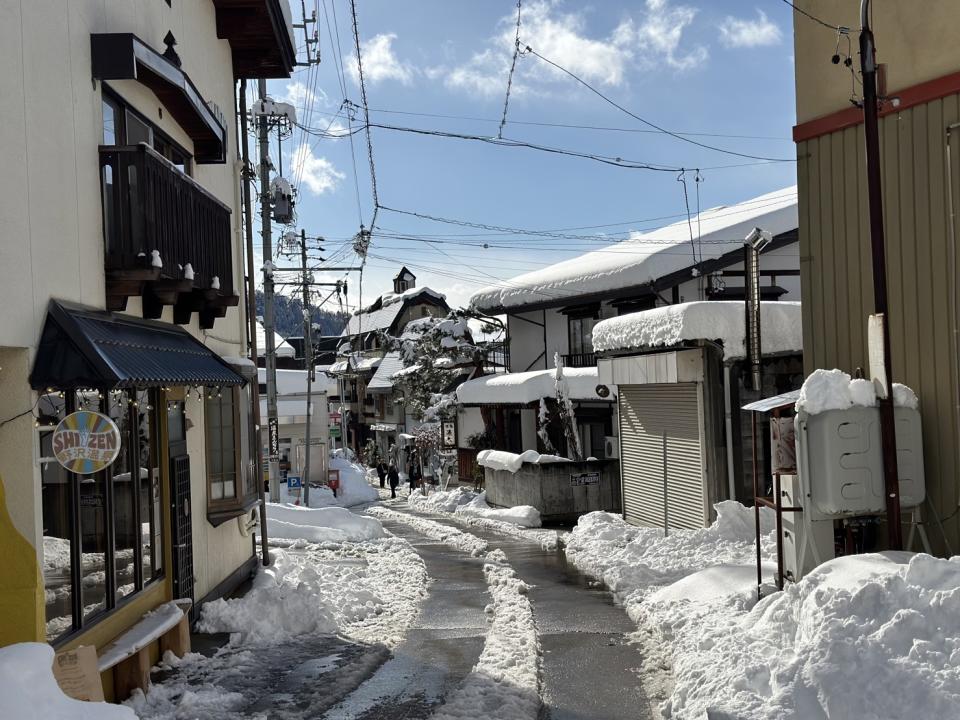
[549, 488]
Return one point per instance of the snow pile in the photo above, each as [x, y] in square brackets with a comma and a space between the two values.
[29, 691]
[721, 321]
[317, 525]
[451, 537]
[527, 387]
[295, 596]
[646, 256]
[511, 462]
[635, 561]
[826, 390]
[505, 681]
[446, 501]
[868, 636]
[355, 487]
[522, 515]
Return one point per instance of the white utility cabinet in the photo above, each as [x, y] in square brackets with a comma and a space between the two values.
[840, 461]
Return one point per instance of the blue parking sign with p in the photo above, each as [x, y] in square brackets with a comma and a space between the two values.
[294, 481]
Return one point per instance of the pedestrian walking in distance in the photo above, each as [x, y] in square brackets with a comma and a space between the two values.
[382, 472]
[394, 477]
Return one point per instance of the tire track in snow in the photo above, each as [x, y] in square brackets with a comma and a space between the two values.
[505, 683]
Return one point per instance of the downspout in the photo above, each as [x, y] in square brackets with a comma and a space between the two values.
[728, 421]
[953, 284]
[252, 320]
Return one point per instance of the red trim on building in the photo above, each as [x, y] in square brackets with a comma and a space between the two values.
[850, 117]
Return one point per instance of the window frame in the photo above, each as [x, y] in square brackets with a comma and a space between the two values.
[112, 601]
[121, 107]
[223, 509]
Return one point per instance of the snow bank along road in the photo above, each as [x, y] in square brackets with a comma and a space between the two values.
[587, 668]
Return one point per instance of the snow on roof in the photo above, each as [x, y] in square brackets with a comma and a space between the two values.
[380, 314]
[283, 348]
[294, 382]
[723, 321]
[527, 387]
[647, 256]
[382, 380]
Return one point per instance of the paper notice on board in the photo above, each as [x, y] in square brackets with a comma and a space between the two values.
[77, 675]
[878, 366]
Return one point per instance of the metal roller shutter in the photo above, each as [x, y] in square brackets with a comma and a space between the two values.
[646, 412]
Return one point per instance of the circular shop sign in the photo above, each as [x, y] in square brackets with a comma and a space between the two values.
[86, 442]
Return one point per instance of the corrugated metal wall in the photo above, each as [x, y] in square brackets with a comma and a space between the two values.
[837, 280]
[646, 413]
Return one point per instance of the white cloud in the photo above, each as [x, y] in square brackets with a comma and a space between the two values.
[380, 62]
[300, 96]
[740, 32]
[652, 39]
[317, 173]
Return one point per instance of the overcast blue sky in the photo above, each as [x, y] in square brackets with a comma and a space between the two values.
[723, 68]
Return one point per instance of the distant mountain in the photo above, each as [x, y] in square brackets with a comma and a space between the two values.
[288, 313]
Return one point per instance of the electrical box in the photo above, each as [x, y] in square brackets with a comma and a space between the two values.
[806, 542]
[840, 461]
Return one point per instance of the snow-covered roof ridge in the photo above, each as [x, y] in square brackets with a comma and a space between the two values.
[646, 256]
[781, 329]
[527, 387]
[281, 347]
[381, 313]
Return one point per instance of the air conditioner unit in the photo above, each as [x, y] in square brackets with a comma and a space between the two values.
[611, 447]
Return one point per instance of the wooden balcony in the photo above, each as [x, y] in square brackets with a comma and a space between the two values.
[580, 360]
[150, 206]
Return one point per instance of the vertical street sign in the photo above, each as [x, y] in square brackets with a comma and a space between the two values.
[274, 438]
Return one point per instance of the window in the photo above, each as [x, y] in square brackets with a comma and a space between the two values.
[102, 533]
[222, 447]
[581, 334]
[122, 125]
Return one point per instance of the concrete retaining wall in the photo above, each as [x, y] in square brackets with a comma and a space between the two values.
[550, 489]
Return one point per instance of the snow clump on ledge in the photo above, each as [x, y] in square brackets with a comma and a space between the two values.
[29, 691]
[826, 390]
[722, 321]
[511, 462]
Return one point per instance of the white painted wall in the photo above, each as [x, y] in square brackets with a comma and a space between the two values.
[50, 207]
[469, 422]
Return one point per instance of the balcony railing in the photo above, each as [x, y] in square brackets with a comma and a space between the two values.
[150, 206]
[580, 360]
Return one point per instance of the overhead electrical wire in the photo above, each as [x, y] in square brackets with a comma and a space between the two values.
[366, 114]
[513, 67]
[825, 24]
[648, 123]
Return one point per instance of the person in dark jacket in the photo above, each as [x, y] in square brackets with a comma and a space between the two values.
[394, 477]
[414, 475]
[382, 472]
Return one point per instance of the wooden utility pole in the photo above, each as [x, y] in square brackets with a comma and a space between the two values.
[308, 358]
[888, 437]
[268, 291]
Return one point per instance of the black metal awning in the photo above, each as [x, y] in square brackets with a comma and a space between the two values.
[124, 56]
[85, 348]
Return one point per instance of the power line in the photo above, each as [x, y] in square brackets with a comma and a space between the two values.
[366, 114]
[647, 122]
[513, 66]
[835, 28]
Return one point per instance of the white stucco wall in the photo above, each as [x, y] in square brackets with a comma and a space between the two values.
[50, 207]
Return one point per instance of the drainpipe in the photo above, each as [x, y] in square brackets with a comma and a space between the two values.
[953, 283]
[252, 320]
[728, 420]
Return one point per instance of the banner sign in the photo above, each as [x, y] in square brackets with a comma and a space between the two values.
[274, 435]
[86, 442]
[449, 434]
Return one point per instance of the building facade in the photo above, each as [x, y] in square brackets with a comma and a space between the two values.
[122, 254]
[920, 170]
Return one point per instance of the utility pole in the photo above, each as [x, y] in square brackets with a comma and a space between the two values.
[881, 320]
[252, 321]
[268, 318]
[308, 357]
